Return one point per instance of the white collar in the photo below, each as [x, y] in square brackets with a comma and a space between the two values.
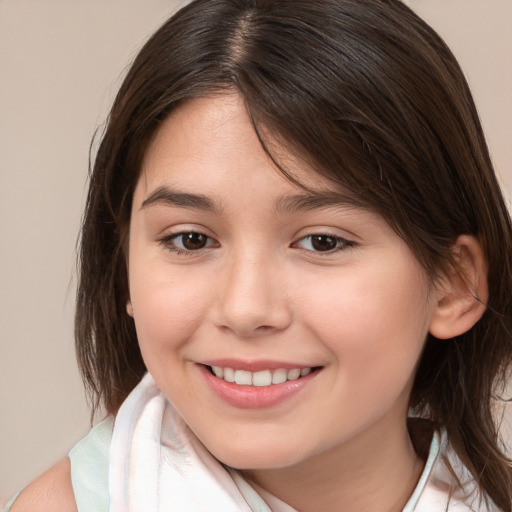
[158, 464]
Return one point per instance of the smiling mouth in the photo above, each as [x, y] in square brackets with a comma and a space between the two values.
[261, 378]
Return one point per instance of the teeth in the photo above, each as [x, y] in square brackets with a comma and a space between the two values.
[243, 378]
[279, 376]
[261, 378]
[294, 374]
[218, 371]
[229, 375]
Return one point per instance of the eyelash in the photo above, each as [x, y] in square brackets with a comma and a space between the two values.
[169, 243]
[341, 243]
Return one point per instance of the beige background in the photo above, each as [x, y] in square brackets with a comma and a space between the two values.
[60, 63]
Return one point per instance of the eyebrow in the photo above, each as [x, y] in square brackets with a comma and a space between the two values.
[169, 197]
[315, 200]
[287, 204]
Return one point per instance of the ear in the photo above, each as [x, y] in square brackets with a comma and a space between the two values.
[129, 308]
[462, 295]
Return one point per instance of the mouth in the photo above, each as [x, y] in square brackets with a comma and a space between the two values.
[257, 385]
[262, 378]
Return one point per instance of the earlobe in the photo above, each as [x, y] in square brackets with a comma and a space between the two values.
[462, 295]
[129, 308]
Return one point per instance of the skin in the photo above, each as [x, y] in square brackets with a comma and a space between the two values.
[50, 492]
[259, 290]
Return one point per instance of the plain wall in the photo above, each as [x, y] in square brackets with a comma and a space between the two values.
[60, 63]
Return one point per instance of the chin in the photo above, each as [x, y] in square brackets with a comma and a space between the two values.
[257, 457]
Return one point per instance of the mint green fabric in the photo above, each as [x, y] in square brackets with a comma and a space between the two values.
[10, 503]
[89, 468]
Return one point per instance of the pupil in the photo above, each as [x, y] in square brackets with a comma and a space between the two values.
[323, 242]
[194, 241]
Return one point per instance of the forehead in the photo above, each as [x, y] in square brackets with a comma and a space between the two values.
[208, 140]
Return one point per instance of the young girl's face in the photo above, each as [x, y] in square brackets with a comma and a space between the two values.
[235, 270]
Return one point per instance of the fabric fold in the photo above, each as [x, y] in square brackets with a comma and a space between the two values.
[158, 464]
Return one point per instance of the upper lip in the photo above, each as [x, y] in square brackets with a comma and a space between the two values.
[257, 365]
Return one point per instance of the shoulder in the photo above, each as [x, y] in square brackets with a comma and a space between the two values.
[78, 481]
[51, 492]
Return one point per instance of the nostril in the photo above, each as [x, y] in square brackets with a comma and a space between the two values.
[247, 330]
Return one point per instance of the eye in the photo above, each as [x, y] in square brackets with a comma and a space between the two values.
[323, 243]
[187, 242]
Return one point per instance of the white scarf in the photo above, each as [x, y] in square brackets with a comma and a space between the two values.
[158, 464]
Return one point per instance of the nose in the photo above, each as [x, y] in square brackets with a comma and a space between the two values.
[252, 298]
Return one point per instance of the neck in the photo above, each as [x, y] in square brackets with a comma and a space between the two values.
[369, 473]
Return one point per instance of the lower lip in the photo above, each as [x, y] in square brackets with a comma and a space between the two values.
[255, 397]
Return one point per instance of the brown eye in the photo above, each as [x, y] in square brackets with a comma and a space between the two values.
[188, 242]
[193, 241]
[323, 243]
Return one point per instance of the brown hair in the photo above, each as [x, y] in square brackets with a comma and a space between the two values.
[370, 96]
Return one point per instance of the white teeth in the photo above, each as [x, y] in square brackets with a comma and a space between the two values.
[229, 375]
[263, 378]
[243, 378]
[293, 374]
[218, 371]
[260, 379]
[279, 376]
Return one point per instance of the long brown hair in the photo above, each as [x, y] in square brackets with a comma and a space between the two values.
[369, 95]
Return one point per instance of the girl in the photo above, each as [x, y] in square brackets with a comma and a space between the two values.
[295, 287]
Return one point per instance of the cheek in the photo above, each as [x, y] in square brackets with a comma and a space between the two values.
[374, 322]
[168, 306]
